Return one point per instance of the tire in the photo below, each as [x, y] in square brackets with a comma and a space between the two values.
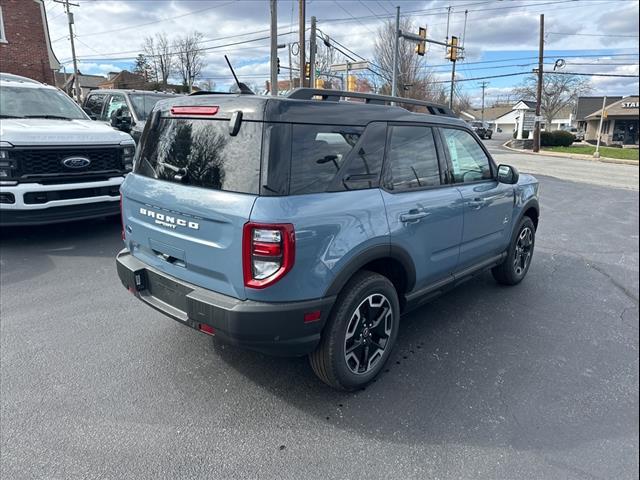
[347, 328]
[515, 267]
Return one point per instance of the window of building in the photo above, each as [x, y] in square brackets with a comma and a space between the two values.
[468, 160]
[412, 159]
[3, 37]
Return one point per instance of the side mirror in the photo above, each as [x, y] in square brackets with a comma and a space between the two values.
[508, 174]
[121, 120]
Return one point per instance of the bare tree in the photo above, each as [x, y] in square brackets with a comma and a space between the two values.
[190, 58]
[162, 59]
[208, 85]
[415, 79]
[558, 92]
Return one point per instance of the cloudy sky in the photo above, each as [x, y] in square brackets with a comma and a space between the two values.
[592, 36]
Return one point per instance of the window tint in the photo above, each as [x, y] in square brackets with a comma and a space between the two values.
[143, 103]
[317, 153]
[468, 160]
[94, 103]
[115, 102]
[363, 169]
[201, 153]
[412, 158]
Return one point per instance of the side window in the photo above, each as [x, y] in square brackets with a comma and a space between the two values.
[94, 104]
[412, 158]
[317, 153]
[3, 38]
[468, 161]
[364, 165]
[115, 102]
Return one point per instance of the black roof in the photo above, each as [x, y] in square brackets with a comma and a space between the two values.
[588, 105]
[283, 109]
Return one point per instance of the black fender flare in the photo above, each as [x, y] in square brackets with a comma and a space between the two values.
[532, 202]
[368, 255]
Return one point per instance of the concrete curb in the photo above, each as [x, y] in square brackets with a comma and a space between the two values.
[575, 156]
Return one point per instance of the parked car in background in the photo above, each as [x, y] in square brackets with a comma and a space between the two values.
[578, 133]
[125, 110]
[482, 129]
[295, 226]
[55, 163]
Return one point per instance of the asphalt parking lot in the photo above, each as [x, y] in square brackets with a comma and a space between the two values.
[535, 381]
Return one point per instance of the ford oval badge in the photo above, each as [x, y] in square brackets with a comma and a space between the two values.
[76, 162]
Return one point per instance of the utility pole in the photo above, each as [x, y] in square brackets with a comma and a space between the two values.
[274, 47]
[536, 128]
[76, 85]
[396, 47]
[483, 85]
[290, 69]
[596, 154]
[312, 54]
[301, 42]
[453, 83]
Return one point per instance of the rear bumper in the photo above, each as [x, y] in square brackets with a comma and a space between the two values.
[273, 328]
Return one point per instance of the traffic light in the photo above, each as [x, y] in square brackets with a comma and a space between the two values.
[278, 64]
[421, 47]
[307, 70]
[351, 83]
[452, 50]
[319, 83]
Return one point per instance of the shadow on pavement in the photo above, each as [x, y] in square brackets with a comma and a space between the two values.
[483, 365]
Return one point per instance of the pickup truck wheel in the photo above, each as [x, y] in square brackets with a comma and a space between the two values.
[359, 334]
[516, 265]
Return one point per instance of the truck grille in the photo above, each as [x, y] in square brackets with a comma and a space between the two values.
[35, 162]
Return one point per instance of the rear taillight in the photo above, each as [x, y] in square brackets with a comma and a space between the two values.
[268, 253]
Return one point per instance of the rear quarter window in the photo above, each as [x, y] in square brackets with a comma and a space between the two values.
[317, 153]
[201, 153]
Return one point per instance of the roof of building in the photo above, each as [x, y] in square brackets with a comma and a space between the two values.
[619, 109]
[490, 113]
[588, 105]
[131, 80]
[86, 81]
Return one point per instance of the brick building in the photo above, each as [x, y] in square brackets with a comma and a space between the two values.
[25, 46]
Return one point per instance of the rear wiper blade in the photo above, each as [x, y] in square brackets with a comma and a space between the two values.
[10, 116]
[55, 117]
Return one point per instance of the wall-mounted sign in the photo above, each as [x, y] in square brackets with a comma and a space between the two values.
[630, 104]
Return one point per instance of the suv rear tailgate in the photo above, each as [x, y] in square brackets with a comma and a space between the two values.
[193, 234]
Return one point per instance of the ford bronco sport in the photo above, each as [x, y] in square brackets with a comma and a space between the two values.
[56, 164]
[307, 225]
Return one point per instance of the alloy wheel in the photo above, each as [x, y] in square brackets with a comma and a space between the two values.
[368, 333]
[524, 248]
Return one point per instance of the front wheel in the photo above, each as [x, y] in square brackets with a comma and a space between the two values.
[514, 268]
[360, 333]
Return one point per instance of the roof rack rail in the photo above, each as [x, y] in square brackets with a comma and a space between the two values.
[370, 98]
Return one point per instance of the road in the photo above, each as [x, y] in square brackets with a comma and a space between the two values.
[575, 170]
[535, 381]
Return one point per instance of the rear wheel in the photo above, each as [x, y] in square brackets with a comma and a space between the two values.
[360, 333]
[514, 268]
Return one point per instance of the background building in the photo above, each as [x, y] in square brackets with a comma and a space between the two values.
[25, 46]
[619, 126]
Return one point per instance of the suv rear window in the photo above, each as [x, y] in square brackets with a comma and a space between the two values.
[202, 153]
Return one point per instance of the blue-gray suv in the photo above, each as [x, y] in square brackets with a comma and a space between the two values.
[306, 225]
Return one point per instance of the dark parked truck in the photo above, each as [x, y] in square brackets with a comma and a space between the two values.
[306, 225]
[482, 129]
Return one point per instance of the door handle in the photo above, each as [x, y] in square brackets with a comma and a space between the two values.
[476, 203]
[413, 216]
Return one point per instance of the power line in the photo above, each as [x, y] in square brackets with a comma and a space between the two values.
[593, 74]
[355, 18]
[592, 34]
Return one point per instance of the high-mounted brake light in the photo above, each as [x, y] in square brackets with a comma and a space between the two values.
[195, 110]
[268, 253]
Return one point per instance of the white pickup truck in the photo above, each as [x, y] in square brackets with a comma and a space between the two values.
[56, 164]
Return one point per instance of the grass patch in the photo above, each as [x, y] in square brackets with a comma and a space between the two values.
[621, 153]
